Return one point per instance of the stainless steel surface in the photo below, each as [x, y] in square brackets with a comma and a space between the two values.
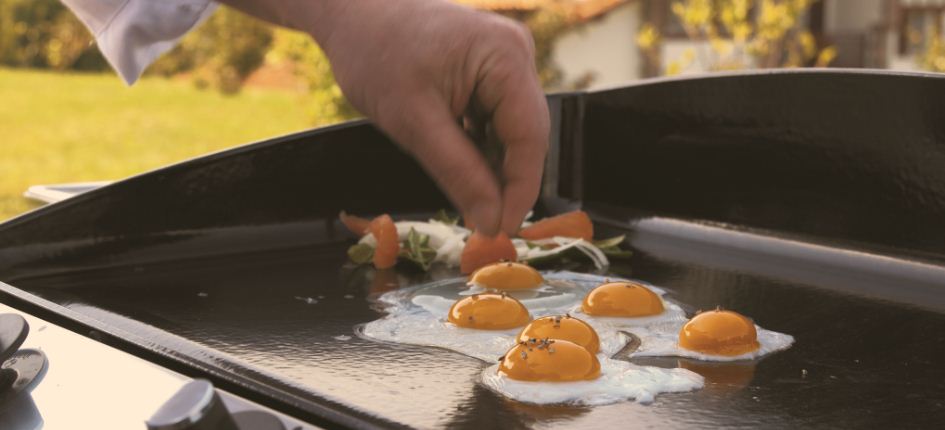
[89, 385]
[53, 193]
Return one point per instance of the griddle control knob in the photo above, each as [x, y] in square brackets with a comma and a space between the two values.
[13, 331]
[20, 369]
[196, 406]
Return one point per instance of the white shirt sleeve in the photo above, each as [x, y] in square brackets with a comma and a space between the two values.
[133, 33]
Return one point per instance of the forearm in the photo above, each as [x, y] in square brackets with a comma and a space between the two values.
[413, 67]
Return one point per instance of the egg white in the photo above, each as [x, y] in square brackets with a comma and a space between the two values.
[424, 323]
[662, 340]
[422, 328]
[418, 316]
[659, 334]
[672, 313]
[619, 381]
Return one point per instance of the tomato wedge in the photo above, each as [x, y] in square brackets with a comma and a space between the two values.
[388, 243]
[571, 224]
[355, 224]
[384, 280]
[481, 250]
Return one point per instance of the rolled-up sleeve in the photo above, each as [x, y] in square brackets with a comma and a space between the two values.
[133, 33]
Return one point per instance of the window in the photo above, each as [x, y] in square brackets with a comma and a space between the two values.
[918, 24]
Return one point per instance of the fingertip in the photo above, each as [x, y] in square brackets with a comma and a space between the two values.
[512, 222]
[486, 217]
[512, 225]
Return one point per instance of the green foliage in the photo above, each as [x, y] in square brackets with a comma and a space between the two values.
[547, 24]
[414, 249]
[933, 57]
[612, 247]
[417, 250]
[741, 34]
[222, 52]
[219, 54]
[66, 127]
[361, 253]
[325, 102]
[45, 34]
[445, 218]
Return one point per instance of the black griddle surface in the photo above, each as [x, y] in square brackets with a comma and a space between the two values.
[856, 362]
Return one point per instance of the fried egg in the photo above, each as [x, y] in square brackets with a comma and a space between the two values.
[561, 328]
[549, 360]
[663, 329]
[555, 333]
[628, 305]
[717, 335]
[506, 276]
[622, 299]
[616, 381]
[421, 316]
[488, 311]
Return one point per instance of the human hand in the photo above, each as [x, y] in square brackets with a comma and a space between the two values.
[415, 66]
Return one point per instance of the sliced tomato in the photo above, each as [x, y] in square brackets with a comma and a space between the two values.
[481, 250]
[384, 280]
[355, 224]
[388, 244]
[571, 224]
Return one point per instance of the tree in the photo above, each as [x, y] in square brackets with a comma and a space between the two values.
[933, 56]
[324, 99]
[222, 52]
[739, 34]
[45, 34]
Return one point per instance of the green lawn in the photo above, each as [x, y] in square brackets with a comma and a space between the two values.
[79, 127]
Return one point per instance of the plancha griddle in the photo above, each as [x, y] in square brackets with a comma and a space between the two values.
[812, 201]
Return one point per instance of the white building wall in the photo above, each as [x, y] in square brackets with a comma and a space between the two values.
[605, 47]
[894, 60]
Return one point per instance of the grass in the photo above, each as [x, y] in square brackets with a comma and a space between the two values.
[81, 127]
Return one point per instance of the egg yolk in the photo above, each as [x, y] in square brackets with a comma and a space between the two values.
[489, 312]
[622, 299]
[719, 332]
[562, 328]
[549, 360]
[507, 276]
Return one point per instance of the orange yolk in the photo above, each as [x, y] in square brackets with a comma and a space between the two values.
[550, 361]
[489, 312]
[719, 332]
[507, 276]
[622, 299]
[562, 328]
